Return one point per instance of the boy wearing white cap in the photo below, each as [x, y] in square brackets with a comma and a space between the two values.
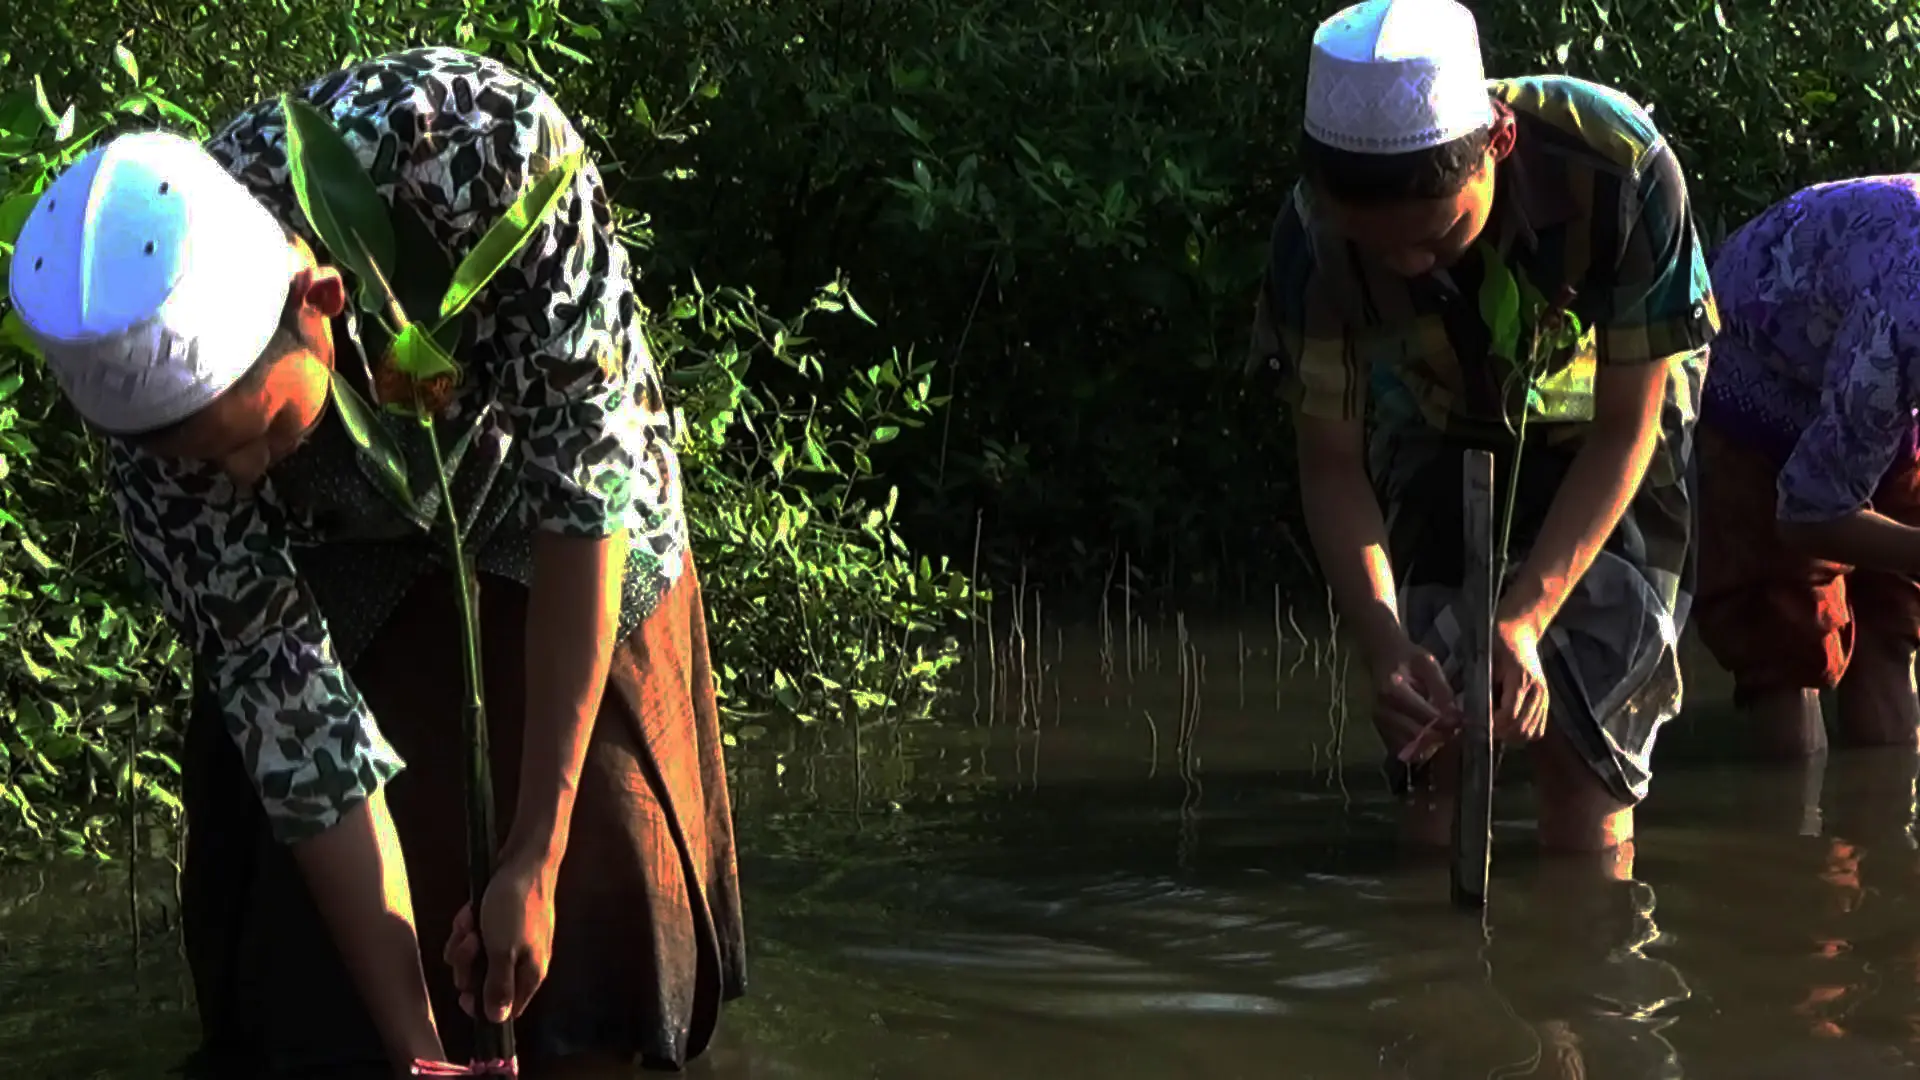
[176, 293]
[1441, 220]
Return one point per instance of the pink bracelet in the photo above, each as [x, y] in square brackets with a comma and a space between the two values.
[508, 1067]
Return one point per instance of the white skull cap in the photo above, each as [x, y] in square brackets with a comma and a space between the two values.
[152, 280]
[1394, 76]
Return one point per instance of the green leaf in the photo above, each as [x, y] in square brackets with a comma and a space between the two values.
[886, 433]
[39, 557]
[907, 125]
[416, 354]
[128, 64]
[371, 439]
[338, 198]
[1500, 305]
[46, 107]
[508, 235]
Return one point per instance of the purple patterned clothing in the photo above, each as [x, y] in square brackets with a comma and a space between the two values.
[1818, 359]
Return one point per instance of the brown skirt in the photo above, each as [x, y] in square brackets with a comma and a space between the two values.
[648, 937]
[1779, 621]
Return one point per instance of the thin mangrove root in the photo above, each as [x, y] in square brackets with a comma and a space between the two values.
[1039, 660]
[1180, 734]
[1240, 656]
[1333, 628]
[993, 670]
[973, 578]
[133, 835]
[1340, 743]
[1126, 594]
[1199, 704]
[1020, 628]
[973, 610]
[1060, 659]
[1301, 656]
[1279, 649]
[1333, 631]
[1106, 619]
[859, 759]
[1153, 744]
[1036, 755]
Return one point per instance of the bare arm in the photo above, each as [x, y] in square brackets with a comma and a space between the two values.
[306, 738]
[572, 616]
[1349, 535]
[1601, 482]
[359, 884]
[1863, 538]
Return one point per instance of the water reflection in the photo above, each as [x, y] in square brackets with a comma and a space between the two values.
[1171, 877]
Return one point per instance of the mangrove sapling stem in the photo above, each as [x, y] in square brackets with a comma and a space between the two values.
[493, 1041]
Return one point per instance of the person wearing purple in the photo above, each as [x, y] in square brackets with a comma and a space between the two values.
[1810, 466]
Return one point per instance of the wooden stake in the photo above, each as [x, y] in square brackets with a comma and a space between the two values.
[1473, 818]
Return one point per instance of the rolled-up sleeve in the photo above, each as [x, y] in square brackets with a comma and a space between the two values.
[219, 559]
[1660, 303]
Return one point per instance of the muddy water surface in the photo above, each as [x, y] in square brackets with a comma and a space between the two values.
[1111, 880]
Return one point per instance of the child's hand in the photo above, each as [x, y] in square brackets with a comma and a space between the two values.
[516, 927]
[1520, 700]
[1413, 707]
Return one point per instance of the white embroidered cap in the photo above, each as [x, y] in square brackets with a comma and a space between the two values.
[1394, 76]
[151, 279]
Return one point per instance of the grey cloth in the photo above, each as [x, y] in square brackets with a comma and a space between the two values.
[1611, 656]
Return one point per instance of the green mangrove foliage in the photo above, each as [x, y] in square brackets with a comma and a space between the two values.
[1055, 211]
[819, 609]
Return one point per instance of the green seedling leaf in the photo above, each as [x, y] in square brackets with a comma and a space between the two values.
[124, 57]
[417, 355]
[338, 198]
[371, 439]
[46, 107]
[507, 236]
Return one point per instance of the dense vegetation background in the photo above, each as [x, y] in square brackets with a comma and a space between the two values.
[1053, 212]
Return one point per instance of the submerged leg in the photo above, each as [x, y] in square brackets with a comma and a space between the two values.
[1878, 704]
[1578, 813]
[1787, 724]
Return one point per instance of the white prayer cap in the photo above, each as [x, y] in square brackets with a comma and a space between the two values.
[151, 279]
[1394, 76]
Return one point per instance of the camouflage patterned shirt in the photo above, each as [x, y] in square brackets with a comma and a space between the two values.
[564, 399]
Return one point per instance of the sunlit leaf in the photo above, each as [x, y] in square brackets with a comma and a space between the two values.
[46, 107]
[338, 198]
[417, 355]
[507, 236]
[123, 57]
[371, 439]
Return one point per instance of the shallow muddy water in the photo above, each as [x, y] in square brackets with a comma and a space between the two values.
[1116, 885]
